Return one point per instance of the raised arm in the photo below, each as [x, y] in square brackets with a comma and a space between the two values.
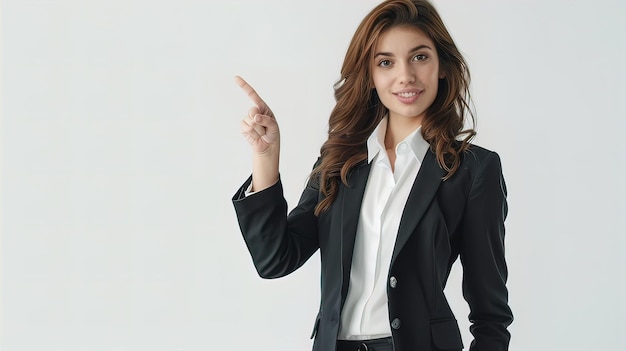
[278, 243]
[261, 131]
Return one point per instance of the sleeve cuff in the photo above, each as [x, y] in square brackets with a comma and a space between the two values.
[246, 189]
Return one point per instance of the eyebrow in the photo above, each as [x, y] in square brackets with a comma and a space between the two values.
[419, 47]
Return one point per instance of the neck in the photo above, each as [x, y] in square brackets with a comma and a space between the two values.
[399, 128]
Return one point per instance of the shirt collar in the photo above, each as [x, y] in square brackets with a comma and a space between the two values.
[376, 142]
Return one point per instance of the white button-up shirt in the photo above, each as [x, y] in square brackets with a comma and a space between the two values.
[365, 314]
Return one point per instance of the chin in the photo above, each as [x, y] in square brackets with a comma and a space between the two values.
[413, 113]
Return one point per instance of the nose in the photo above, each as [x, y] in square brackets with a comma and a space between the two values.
[406, 74]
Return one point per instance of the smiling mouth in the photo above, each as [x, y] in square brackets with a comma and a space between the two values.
[408, 97]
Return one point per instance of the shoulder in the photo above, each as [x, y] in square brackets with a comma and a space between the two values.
[476, 157]
[478, 162]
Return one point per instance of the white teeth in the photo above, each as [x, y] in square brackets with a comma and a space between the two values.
[407, 95]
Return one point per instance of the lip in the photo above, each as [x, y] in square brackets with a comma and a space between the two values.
[407, 96]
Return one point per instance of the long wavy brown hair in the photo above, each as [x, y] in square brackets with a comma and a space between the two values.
[358, 109]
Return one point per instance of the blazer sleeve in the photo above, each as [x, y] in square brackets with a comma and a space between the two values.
[278, 243]
[482, 256]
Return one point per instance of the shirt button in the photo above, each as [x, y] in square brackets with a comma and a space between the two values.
[395, 323]
[393, 282]
[402, 147]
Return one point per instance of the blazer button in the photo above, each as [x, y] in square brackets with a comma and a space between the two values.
[395, 323]
[393, 282]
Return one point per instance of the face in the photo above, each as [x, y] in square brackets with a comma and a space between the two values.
[405, 71]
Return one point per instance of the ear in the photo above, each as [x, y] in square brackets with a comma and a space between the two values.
[442, 71]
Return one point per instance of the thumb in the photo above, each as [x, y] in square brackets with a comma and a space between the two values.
[272, 135]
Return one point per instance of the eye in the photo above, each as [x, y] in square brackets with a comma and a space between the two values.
[420, 57]
[384, 63]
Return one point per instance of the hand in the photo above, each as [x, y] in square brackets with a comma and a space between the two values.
[260, 127]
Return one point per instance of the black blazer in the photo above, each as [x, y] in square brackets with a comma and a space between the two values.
[462, 216]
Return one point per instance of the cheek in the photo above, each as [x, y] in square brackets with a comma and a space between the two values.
[434, 88]
[435, 80]
[382, 79]
[433, 75]
[376, 81]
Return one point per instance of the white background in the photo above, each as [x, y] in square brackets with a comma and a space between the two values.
[121, 150]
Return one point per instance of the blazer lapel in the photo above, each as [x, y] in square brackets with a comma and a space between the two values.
[424, 189]
[350, 208]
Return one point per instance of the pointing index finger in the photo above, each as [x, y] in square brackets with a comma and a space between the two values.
[252, 94]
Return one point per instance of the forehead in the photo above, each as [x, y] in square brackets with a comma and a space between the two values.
[401, 39]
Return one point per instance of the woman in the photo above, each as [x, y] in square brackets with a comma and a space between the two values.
[397, 194]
